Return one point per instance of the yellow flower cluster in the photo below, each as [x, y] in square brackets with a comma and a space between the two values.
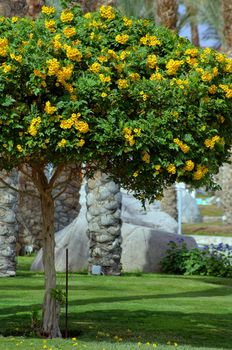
[220, 57]
[112, 54]
[95, 67]
[171, 169]
[3, 46]
[17, 58]
[192, 61]
[146, 157]
[127, 21]
[149, 40]
[189, 165]
[227, 90]
[206, 76]
[156, 76]
[53, 66]
[181, 83]
[209, 143]
[129, 136]
[66, 16]
[73, 53]
[152, 61]
[200, 172]
[6, 67]
[65, 73]
[50, 25]
[228, 66]
[122, 38]
[62, 143]
[134, 76]
[48, 10]
[82, 126]
[56, 42]
[104, 78]
[184, 148]
[81, 143]
[192, 52]
[212, 89]
[49, 109]
[14, 19]
[107, 12]
[19, 148]
[173, 66]
[33, 128]
[122, 84]
[69, 32]
[68, 123]
[144, 95]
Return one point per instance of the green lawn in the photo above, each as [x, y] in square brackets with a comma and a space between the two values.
[129, 312]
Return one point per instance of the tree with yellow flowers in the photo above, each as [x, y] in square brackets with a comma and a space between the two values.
[116, 93]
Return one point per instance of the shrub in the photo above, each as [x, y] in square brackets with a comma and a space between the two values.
[210, 261]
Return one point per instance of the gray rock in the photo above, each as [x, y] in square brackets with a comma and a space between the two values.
[145, 237]
[143, 248]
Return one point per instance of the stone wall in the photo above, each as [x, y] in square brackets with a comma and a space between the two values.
[8, 225]
[20, 8]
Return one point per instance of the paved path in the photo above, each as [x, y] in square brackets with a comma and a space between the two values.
[205, 240]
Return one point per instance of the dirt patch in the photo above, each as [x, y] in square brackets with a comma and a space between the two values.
[208, 229]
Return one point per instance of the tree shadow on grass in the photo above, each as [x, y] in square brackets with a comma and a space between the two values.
[195, 329]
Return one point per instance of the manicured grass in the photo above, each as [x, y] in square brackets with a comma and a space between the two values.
[211, 210]
[127, 312]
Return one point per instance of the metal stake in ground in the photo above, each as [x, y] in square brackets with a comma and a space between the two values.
[66, 299]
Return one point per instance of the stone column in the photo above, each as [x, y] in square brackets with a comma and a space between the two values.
[104, 223]
[8, 225]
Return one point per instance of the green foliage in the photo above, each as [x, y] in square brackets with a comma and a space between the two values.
[59, 295]
[130, 98]
[210, 261]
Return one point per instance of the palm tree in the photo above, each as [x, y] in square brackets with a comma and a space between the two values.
[225, 174]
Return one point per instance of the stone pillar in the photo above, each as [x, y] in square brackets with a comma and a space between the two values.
[104, 224]
[8, 225]
[168, 203]
[224, 179]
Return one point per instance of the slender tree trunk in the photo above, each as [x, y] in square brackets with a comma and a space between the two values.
[227, 29]
[50, 327]
[192, 12]
[167, 16]
[225, 174]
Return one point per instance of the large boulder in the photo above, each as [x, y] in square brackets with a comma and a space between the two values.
[145, 237]
[144, 248]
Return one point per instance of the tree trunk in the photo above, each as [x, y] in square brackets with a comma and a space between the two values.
[167, 16]
[192, 12]
[167, 13]
[50, 327]
[227, 30]
[104, 223]
[225, 174]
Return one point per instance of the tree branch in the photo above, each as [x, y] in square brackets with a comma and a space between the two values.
[17, 190]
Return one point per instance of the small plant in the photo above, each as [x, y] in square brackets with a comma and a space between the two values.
[213, 260]
[59, 295]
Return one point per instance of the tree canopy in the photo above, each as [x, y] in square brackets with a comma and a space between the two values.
[119, 93]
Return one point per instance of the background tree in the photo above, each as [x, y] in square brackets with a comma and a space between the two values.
[73, 91]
